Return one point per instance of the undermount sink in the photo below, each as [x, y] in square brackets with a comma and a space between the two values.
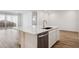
[47, 28]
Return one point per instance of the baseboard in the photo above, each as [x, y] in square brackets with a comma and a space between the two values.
[71, 29]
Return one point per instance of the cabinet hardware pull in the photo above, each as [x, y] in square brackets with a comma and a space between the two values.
[42, 35]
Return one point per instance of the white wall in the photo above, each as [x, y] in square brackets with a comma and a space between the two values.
[27, 19]
[64, 19]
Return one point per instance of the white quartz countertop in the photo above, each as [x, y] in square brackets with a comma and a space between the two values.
[34, 30]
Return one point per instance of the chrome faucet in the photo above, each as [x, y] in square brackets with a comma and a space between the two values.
[44, 23]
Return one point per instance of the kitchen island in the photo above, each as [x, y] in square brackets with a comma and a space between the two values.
[35, 37]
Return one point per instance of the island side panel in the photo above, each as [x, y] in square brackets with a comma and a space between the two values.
[30, 40]
[21, 39]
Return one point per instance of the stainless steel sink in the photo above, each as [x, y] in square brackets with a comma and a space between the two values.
[47, 28]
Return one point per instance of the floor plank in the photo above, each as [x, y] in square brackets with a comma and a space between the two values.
[68, 40]
[8, 38]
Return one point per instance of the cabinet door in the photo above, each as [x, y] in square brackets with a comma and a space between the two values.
[53, 37]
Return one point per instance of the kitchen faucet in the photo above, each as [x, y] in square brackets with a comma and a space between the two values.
[44, 23]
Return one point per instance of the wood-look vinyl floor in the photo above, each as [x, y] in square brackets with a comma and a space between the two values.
[68, 40]
[8, 38]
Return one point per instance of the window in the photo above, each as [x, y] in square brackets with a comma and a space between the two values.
[13, 19]
[2, 17]
[8, 20]
[2, 20]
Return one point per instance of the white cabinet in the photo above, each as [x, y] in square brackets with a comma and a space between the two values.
[53, 37]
